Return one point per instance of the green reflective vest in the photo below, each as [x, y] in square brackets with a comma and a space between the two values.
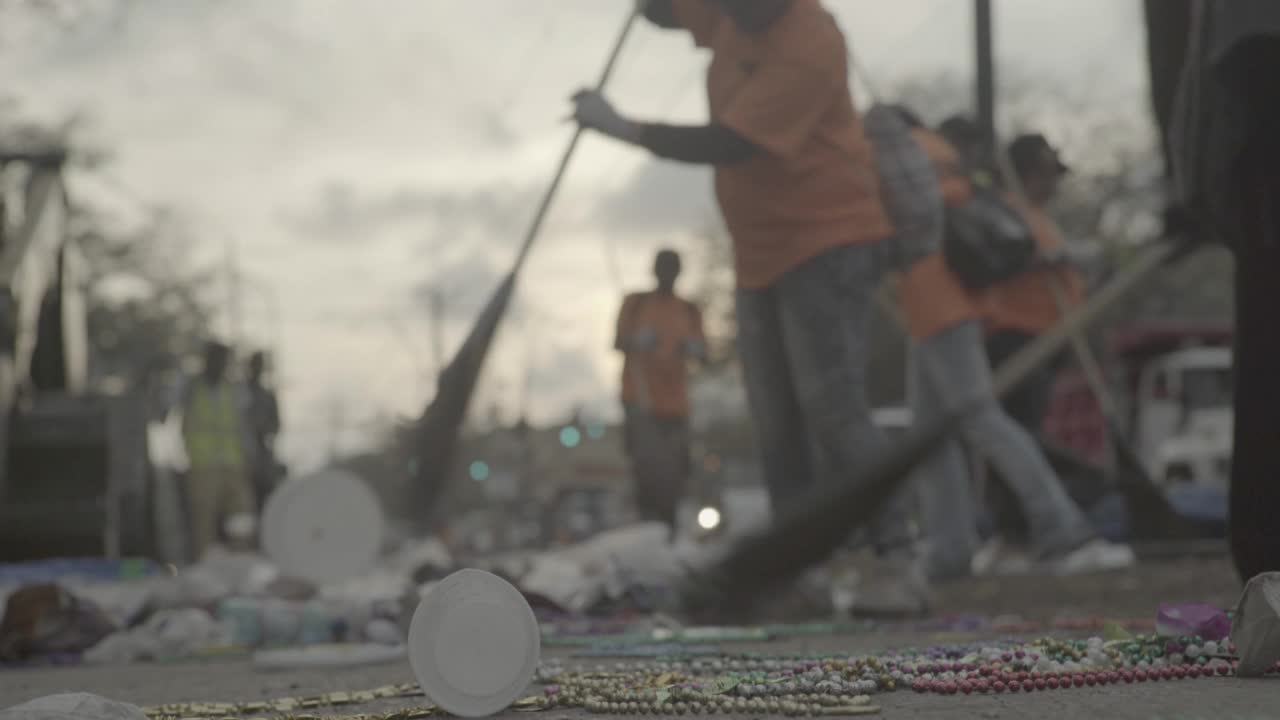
[211, 427]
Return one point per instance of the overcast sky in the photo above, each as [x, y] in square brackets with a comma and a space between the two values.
[363, 153]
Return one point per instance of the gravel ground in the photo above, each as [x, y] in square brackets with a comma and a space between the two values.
[1126, 595]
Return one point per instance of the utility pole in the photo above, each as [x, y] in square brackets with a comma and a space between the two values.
[985, 74]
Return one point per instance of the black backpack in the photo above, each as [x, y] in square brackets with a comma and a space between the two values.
[987, 241]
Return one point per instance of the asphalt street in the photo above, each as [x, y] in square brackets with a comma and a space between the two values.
[1128, 595]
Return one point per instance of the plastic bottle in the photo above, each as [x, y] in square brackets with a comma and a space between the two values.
[317, 624]
[281, 623]
[243, 621]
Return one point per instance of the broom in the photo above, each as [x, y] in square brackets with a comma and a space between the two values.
[436, 435]
[823, 522]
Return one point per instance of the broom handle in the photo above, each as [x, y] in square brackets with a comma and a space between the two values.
[550, 195]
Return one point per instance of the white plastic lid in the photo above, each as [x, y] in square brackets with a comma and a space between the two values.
[474, 644]
[323, 528]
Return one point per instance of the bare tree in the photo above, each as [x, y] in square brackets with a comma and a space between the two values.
[714, 285]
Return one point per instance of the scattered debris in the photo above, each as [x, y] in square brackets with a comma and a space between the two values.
[1255, 629]
[46, 619]
[73, 706]
[1207, 621]
[324, 528]
[166, 635]
[280, 706]
[474, 644]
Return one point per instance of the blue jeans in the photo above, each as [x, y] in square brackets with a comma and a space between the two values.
[804, 349]
[949, 368]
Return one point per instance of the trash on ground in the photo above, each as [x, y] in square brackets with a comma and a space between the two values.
[46, 619]
[1207, 621]
[73, 706]
[324, 528]
[1255, 629]
[166, 635]
[474, 644]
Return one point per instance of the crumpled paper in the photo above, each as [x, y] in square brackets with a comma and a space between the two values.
[47, 619]
[73, 706]
[1255, 629]
[167, 634]
[1207, 621]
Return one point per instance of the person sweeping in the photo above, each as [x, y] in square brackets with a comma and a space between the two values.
[796, 184]
[921, 176]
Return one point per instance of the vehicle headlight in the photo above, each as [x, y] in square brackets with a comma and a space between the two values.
[709, 518]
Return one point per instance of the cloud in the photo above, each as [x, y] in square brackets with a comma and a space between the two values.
[342, 213]
[417, 138]
[464, 282]
[660, 197]
[568, 373]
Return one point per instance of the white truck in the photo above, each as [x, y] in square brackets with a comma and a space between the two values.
[1184, 418]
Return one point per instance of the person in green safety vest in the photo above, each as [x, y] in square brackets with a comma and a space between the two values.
[218, 486]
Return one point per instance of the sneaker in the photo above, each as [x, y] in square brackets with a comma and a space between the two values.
[891, 587]
[999, 558]
[1096, 556]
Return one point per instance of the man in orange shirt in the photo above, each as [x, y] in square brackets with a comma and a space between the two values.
[796, 182]
[949, 369]
[658, 333]
[1022, 307]
[1019, 309]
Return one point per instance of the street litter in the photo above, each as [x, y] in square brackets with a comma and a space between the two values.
[46, 619]
[1256, 625]
[323, 528]
[474, 644]
[166, 635]
[1207, 621]
[73, 706]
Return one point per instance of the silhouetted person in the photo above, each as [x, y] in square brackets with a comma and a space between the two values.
[1017, 311]
[659, 334]
[262, 413]
[796, 188]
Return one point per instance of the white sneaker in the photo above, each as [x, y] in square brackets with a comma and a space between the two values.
[1094, 557]
[998, 558]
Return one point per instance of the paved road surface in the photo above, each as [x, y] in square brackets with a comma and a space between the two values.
[1129, 595]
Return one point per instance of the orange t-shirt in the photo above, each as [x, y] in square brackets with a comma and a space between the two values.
[1026, 302]
[932, 297]
[658, 380]
[814, 187]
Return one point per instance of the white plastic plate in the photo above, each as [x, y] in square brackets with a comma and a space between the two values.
[323, 528]
[474, 644]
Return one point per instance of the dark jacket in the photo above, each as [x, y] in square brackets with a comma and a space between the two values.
[1223, 116]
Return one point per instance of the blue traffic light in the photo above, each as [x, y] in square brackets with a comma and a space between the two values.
[570, 437]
